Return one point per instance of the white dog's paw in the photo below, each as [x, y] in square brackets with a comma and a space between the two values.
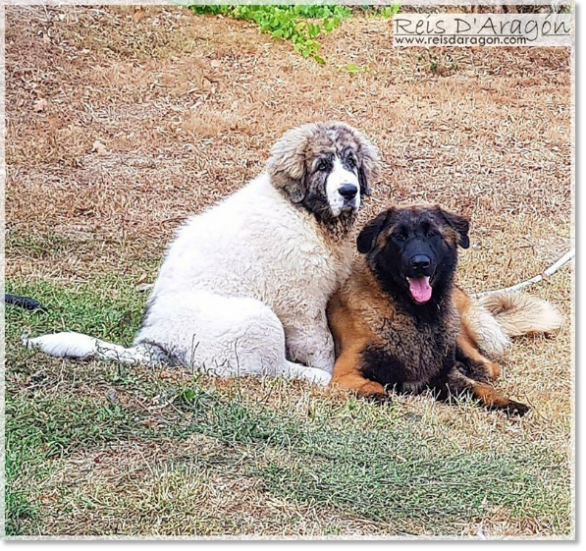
[63, 345]
[317, 376]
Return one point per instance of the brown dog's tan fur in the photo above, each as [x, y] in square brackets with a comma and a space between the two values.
[362, 306]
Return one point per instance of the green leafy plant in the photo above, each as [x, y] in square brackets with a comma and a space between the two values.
[300, 24]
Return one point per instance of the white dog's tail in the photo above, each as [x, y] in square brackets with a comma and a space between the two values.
[84, 347]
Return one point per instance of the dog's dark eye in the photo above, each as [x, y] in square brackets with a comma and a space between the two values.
[351, 162]
[399, 237]
[323, 166]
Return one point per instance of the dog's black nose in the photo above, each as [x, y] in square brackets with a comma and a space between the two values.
[348, 191]
[420, 262]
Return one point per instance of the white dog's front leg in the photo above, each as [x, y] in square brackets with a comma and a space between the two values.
[311, 343]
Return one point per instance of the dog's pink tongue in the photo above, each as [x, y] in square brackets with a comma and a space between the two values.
[420, 288]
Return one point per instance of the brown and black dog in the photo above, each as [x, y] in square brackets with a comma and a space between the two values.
[400, 322]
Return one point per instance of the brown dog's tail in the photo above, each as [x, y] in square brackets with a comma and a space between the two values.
[520, 314]
[492, 320]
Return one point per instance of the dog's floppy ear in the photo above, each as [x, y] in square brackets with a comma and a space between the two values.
[296, 189]
[369, 164]
[286, 166]
[368, 235]
[459, 223]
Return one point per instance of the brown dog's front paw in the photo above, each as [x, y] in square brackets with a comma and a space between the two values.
[516, 408]
[378, 398]
[374, 392]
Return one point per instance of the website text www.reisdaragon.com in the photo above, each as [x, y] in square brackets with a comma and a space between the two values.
[460, 40]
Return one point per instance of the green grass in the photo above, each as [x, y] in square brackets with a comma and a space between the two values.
[43, 426]
[390, 474]
[108, 307]
[403, 473]
[18, 507]
[38, 426]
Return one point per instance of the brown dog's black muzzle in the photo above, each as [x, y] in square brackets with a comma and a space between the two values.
[418, 259]
[420, 262]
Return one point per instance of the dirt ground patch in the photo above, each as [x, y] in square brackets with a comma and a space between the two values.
[120, 126]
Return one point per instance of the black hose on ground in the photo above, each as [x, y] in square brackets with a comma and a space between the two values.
[25, 302]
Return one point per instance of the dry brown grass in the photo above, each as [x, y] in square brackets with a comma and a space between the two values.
[188, 107]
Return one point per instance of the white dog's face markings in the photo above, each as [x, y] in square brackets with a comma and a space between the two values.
[326, 168]
[342, 187]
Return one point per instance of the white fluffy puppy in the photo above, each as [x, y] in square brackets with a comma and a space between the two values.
[244, 286]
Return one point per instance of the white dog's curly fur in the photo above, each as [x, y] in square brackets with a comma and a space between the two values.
[244, 286]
